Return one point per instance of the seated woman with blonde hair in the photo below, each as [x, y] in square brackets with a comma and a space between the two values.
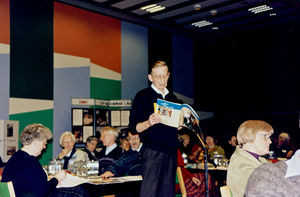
[69, 154]
[254, 140]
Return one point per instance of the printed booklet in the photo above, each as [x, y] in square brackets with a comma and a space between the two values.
[175, 114]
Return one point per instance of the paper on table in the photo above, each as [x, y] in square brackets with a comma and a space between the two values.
[131, 178]
[72, 181]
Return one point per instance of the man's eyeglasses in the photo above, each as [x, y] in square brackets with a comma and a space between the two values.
[133, 137]
[266, 135]
[166, 76]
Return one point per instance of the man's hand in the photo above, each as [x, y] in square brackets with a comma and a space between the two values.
[154, 119]
[107, 174]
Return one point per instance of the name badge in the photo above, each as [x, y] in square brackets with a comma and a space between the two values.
[284, 151]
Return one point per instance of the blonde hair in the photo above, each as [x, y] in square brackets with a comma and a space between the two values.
[285, 136]
[248, 130]
[65, 134]
[34, 132]
[111, 130]
[158, 64]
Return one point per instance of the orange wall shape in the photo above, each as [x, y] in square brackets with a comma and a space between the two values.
[71, 30]
[106, 46]
[4, 22]
[83, 33]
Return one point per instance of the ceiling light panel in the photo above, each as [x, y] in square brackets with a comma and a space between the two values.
[167, 3]
[259, 9]
[202, 23]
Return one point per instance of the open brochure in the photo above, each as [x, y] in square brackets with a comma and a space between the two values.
[175, 114]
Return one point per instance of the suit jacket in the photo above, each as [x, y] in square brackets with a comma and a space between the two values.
[241, 165]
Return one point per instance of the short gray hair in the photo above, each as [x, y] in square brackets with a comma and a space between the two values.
[65, 134]
[111, 130]
[35, 132]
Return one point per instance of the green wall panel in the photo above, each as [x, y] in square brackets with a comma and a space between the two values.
[44, 117]
[105, 88]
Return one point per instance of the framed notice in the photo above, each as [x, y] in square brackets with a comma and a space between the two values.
[115, 118]
[9, 132]
[77, 115]
[87, 131]
[125, 118]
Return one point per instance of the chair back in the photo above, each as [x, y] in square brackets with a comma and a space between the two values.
[181, 182]
[7, 189]
[225, 191]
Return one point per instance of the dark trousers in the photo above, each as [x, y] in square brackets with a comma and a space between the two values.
[159, 172]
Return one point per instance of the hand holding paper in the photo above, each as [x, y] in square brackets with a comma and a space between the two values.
[154, 119]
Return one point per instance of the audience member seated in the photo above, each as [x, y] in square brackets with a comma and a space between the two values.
[280, 179]
[254, 140]
[111, 151]
[212, 148]
[69, 154]
[194, 182]
[282, 147]
[187, 149]
[230, 147]
[124, 144]
[90, 149]
[27, 174]
[130, 163]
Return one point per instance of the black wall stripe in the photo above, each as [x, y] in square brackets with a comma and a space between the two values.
[160, 48]
[31, 56]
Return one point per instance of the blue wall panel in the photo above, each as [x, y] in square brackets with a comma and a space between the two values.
[183, 66]
[4, 86]
[134, 46]
[68, 82]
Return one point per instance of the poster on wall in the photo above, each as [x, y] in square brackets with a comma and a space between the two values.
[101, 117]
[9, 134]
[125, 117]
[88, 117]
[78, 133]
[115, 118]
[77, 117]
[87, 131]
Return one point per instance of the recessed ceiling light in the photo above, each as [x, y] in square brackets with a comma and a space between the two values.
[148, 6]
[152, 8]
[213, 12]
[155, 9]
[259, 9]
[197, 6]
[202, 23]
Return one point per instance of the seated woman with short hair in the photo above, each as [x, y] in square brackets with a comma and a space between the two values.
[69, 154]
[24, 169]
[254, 140]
